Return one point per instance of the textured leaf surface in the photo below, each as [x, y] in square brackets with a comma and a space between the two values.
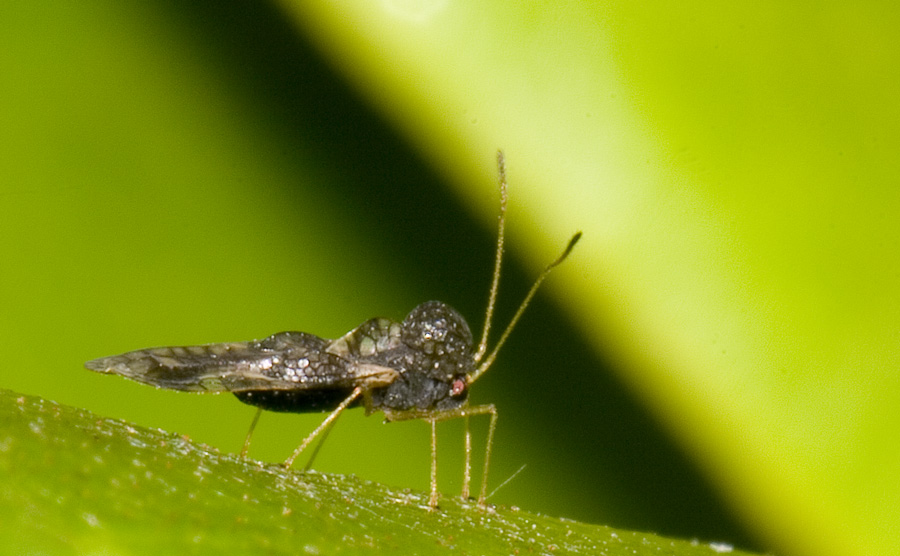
[75, 483]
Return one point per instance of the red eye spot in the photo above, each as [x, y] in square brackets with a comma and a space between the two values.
[459, 386]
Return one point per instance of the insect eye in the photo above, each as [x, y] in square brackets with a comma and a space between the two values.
[458, 387]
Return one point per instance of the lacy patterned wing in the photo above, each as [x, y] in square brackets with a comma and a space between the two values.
[283, 361]
[369, 340]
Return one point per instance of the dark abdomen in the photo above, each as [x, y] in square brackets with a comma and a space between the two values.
[296, 401]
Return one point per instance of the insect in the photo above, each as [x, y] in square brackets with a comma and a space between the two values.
[420, 368]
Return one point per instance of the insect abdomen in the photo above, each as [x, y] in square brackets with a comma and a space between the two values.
[296, 401]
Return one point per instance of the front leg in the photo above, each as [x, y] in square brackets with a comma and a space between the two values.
[434, 417]
[435, 496]
[467, 474]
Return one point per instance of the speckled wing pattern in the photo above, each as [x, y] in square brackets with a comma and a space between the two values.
[283, 361]
[369, 340]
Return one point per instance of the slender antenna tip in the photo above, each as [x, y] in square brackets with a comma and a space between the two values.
[568, 250]
[483, 366]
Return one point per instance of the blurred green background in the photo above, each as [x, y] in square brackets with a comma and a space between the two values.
[718, 358]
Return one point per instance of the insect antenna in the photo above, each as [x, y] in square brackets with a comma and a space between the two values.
[492, 299]
[482, 347]
[512, 323]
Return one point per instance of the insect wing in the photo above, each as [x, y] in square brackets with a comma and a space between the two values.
[284, 361]
[367, 341]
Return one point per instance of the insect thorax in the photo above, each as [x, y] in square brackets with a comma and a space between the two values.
[433, 361]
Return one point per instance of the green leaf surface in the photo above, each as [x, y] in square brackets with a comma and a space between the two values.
[72, 482]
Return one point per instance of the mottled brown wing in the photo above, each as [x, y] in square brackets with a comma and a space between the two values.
[284, 361]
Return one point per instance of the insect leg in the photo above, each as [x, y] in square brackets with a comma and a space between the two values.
[481, 410]
[324, 435]
[246, 447]
[325, 424]
[467, 470]
[467, 412]
[433, 501]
